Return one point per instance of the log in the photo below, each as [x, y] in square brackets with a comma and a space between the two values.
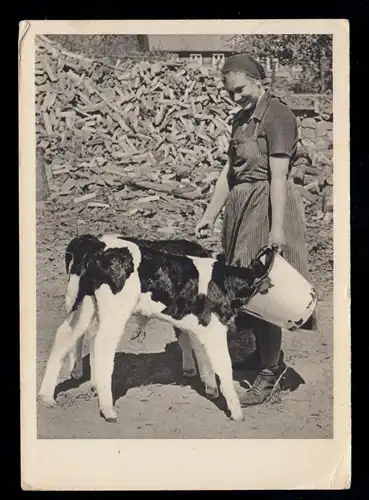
[307, 195]
[42, 185]
[311, 170]
[161, 188]
[85, 197]
[312, 185]
[328, 199]
[96, 204]
[164, 188]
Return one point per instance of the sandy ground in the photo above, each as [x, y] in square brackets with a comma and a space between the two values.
[153, 399]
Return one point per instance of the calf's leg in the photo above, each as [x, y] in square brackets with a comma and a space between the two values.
[206, 371]
[75, 360]
[91, 348]
[114, 310]
[190, 345]
[188, 362]
[68, 333]
[214, 340]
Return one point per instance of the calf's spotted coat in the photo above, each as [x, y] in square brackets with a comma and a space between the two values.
[112, 277]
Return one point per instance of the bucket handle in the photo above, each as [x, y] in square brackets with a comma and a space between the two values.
[270, 250]
[263, 250]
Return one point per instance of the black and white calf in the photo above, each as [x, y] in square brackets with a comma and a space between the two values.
[112, 277]
[177, 247]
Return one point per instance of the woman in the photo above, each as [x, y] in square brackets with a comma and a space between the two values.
[262, 205]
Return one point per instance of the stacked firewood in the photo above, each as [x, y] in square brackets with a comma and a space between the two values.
[155, 128]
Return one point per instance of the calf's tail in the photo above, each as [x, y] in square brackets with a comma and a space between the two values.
[72, 292]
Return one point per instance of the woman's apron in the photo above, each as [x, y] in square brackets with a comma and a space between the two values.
[247, 215]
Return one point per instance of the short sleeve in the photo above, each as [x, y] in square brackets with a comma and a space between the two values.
[280, 129]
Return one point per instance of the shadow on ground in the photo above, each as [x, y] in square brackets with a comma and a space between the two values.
[165, 368]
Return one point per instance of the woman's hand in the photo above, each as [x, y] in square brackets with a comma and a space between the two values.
[206, 224]
[277, 237]
[221, 191]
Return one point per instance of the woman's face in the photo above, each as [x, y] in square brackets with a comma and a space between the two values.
[243, 90]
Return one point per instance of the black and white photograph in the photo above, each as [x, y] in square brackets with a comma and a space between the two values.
[185, 203]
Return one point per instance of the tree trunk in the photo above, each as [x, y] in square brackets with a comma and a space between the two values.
[322, 72]
[42, 186]
[143, 43]
[273, 79]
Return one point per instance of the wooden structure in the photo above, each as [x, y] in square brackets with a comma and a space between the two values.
[207, 49]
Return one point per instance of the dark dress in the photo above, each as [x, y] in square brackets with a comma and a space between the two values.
[272, 129]
[247, 217]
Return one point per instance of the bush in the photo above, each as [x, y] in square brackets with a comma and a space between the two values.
[112, 46]
[312, 52]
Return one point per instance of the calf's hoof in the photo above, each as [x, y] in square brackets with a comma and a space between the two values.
[111, 420]
[190, 373]
[109, 415]
[211, 392]
[92, 391]
[237, 415]
[47, 401]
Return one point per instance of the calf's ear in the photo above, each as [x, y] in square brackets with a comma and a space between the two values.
[220, 257]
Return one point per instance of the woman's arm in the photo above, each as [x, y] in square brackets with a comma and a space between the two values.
[282, 133]
[279, 166]
[221, 191]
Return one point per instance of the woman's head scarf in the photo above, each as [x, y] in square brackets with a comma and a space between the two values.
[246, 64]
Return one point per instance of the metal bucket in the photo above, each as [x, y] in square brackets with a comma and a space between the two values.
[290, 299]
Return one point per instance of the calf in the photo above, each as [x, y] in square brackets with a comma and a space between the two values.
[178, 247]
[112, 277]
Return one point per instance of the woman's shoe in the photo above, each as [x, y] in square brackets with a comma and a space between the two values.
[266, 383]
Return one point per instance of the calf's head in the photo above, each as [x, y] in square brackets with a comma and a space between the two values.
[249, 281]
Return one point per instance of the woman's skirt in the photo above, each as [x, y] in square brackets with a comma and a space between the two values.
[247, 223]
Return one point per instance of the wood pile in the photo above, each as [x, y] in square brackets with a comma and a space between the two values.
[313, 172]
[143, 134]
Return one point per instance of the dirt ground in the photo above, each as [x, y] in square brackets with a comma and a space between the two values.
[153, 399]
